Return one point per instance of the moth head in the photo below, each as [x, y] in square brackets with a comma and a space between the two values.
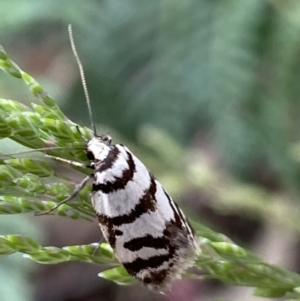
[106, 139]
[98, 147]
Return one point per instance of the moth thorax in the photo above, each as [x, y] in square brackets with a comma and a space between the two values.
[97, 149]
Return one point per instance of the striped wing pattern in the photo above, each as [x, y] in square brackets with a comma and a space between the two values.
[148, 232]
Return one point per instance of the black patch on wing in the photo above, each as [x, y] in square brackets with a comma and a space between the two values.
[108, 162]
[111, 238]
[111, 235]
[140, 264]
[178, 219]
[119, 232]
[120, 182]
[146, 203]
[149, 241]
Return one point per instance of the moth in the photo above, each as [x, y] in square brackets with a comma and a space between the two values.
[146, 229]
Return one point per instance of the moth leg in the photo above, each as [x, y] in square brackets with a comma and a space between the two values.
[98, 246]
[78, 164]
[78, 188]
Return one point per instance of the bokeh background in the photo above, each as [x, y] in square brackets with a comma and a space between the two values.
[206, 92]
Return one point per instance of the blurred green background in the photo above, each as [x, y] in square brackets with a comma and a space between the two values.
[205, 91]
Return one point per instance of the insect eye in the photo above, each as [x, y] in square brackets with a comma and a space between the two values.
[90, 155]
[106, 139]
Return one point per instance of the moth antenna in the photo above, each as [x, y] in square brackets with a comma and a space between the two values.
[82, 76]
[41, 149]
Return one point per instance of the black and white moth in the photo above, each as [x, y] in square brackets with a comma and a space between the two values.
[147, 231]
